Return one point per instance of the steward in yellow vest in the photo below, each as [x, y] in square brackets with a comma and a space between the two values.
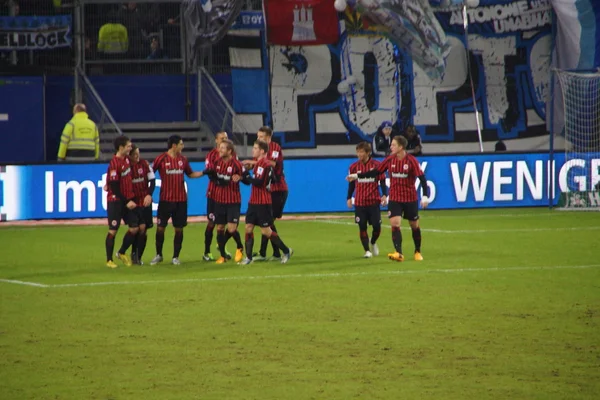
[80, 140]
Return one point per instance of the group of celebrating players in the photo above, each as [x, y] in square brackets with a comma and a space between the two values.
[131, 183]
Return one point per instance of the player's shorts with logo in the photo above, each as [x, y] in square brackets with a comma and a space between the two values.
[174, 210]
[368, 214]
[409, 211]
[278, 199]
[259, 214]
[117, 211]
[210, 209]
[227, 213]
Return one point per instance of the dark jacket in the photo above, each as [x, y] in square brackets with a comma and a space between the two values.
[381, 143]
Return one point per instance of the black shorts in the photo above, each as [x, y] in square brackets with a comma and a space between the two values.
[227, 213]
[147, 217]
[409, 211]
[117, 211]
[278, 199]
[368, 214]
[210, 209]
[259, 214]
[176, 210]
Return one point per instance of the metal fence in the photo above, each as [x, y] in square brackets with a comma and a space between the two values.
[143, 37]
[60, 60]
[156, 42]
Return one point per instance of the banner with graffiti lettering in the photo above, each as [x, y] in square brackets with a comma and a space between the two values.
[339, 94]
[35, 33]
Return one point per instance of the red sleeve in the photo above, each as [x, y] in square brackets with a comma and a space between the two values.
[187, 168]
[157, 163]
[416, 167]
[385, 164]
[239, 167]
[114, 171]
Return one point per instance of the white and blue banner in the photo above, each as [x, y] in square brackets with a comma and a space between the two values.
[341, 93]
[472, 181]
[35, 33]
[577, 34]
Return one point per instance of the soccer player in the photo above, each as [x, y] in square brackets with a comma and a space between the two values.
[404, 170]
[367, 199]
[144, 183]
[120, 199]
[171, 165]
[259, 207]
[227, 198]
[211, 158]
[279, 189]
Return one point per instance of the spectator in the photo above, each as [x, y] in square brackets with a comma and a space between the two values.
[80, 140]
[500, 146]
[383, 138]
[414, 146]
[156, 52]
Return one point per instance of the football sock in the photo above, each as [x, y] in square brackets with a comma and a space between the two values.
[110, 246]
[364, 239]
[177, 243]
[141, 245]
[228, 236]
[397, 238]
[128, 240]
[276, 240]
[416, 234]
[276, 252]
[264, 242]
[134, 245]
[160, 240]
[249, 245]
[238, 240]
[221, 242]
[208, 237]
[375, 234]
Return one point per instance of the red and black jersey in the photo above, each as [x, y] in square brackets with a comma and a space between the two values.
[119, 170]
[261, 181]
[276, 154]
[366, 190]
[171, 170]
[403, 173]
[142, 174]
[211, 158]
[227, 191]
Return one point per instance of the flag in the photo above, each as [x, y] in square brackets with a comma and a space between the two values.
[301, 22]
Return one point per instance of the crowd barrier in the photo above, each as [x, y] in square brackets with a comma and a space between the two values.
[316, 185]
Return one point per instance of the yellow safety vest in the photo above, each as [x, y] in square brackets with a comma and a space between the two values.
[113, 39]
[80, 133]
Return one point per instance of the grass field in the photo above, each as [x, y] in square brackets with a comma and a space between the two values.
[506, 305]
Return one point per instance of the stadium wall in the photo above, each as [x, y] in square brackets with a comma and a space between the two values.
[316, 185]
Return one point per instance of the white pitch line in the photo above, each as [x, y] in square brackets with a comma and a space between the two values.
[566, 228]
[24, 283]
[316, 275]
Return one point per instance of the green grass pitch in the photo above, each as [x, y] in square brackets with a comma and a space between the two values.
[506, 305]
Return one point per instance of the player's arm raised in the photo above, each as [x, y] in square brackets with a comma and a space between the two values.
[190, 173]
[374, 173]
